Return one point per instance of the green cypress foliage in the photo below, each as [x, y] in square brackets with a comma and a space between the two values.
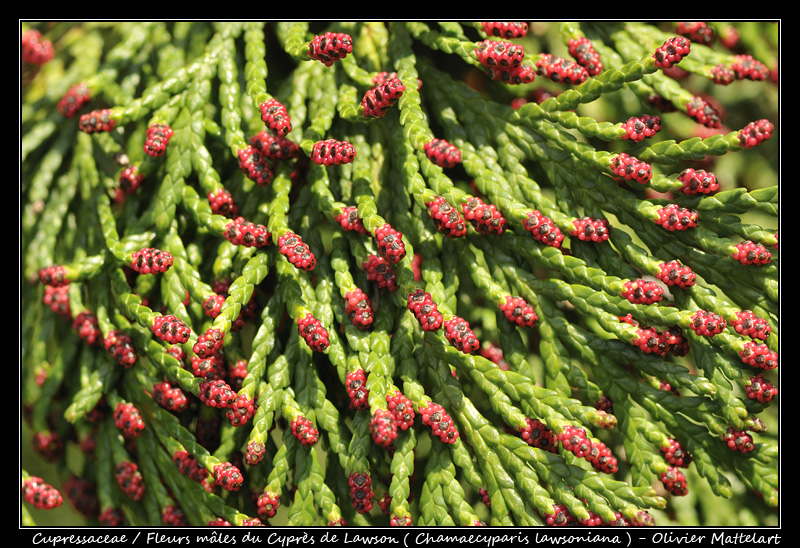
[531, 279]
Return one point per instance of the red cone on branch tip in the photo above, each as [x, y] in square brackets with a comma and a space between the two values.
[74, 99]
[722, 75]
[330, 47]
[458, 333]
[674, 481]
[750, 325]
[704, 113]
[738, 440]
[575, 440]
[559, 516]
[442, 153]
[674, 217]
[274, 146]
[760, 389]
[221, 202]
[499, 53]
[87, 327]
[519, 312]
[358, 308]
[588, 229]
[350, 221]
[401, 408]
[751, 253]
[425, 310]
[35, 49]
[672, 51]
[696, 31]
[212, 306]
[170, 329]
[582, 50]
[508, 30]
[673, 273]
[40, 494]
[446, 218]
[383, 428]
[330, 152]
[315, 335]
[675, 454]
[628, 168]
[130, 479]
[53, 275]
[561, 70]
[129, 182]
[638, 128]
[502, 61]
[128, 419]
[379, 99]
[96, 121]
[255, 165]
[254, 453]
[173, 516]
[188, 465]
[296, 251]
[759, 355]
[216, 393]
[390, 243]
[243, 232]
[602, 459]
[57, 298]
[228, 476]
[485, 218]
[746, 67]
[543, 229]
[304, 430]
[120, 346]
[648, 341]
[170, 396]
[361, 493]
[274, 115]
[157, 139]
[356, 386]
[49, 445]
[267, 504]
[537, 434]
[380, 271]
[698, 181]
[516, 75]
[642, 291]
[241, 410]
[707, 323]
[441, 424]
[149, 260]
